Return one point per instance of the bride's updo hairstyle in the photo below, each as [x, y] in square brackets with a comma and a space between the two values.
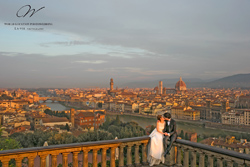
[159, 117]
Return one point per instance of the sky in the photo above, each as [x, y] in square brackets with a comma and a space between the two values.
[90, 42]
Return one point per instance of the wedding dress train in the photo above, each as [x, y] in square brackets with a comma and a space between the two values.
[155, 147]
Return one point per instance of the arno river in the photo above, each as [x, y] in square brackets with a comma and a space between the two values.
[143, 122]
[55, 106]
[186, 127]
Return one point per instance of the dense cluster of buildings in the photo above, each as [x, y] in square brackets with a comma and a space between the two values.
[214, 105]
[21, 108]
[20, 111]
[229, 143]
[226, 106]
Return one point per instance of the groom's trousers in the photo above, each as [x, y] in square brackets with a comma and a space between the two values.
[168, 142]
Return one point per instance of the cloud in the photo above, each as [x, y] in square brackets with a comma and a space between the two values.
[90, 61]
[65, 43]
[94, 70]
[146, 72]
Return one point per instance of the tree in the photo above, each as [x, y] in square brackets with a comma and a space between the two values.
[182, 134]
[7, 144]
[117, 120]
[1, 131]
[186, 136]
[99, 105]
[67, 127]
[14, 94]
[5, 97]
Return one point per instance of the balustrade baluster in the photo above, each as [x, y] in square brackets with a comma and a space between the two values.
[54, 160]
[144, 154]
[193, 158]
[104, 157]
[85, 160]
[240, 163]
[75, 159]
[219, 162]
[247, 150]
[247, 163]
[201, 159]
[5, 162]
[137, 159]
[94, 158]
[178, 159]
[43, 160]
[230, 163]
[121, 156]
[65, 159]
[31, 160]
[210, 160]
[129, 155]
[19, 162]
[112, 158]
[186, 158]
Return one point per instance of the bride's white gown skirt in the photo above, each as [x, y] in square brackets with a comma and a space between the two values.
[155, 148]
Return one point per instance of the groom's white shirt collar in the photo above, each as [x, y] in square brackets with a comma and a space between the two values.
[169, 121]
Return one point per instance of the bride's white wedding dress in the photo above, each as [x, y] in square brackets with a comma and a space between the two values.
[155, 147]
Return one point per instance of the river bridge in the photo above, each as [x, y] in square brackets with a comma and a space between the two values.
[53, 99]
[132, 152]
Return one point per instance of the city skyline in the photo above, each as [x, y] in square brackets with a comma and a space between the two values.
[90, 42]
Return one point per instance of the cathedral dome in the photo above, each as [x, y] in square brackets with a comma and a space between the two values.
[180, 85]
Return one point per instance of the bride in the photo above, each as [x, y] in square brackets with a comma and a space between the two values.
[155, 147]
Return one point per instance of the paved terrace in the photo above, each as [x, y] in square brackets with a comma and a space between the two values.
[132, 152]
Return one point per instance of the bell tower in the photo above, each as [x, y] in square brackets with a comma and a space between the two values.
[72, 117]
[111, 84]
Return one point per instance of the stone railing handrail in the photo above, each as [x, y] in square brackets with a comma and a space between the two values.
[73, 145]
[137, 146]
[75, 149]
[214, 149]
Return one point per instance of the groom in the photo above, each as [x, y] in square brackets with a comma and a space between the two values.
[170, 132]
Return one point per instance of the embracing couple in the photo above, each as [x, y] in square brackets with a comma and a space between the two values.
[162, 139]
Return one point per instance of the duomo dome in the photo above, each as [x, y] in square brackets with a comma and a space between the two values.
[180, 85]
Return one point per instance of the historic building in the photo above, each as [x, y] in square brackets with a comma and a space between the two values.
[160, 87]
[229, 143]
[243, 102]
[14, 103]
[89, 120]
[180, 87]
[121, 92]
[213, 112]
[236, 117]
[185, 113]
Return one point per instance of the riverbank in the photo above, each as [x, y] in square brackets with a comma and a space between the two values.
[154, 117]
[186, 126]
[206, 125]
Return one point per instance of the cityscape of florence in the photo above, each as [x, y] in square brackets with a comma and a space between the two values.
[124, 83]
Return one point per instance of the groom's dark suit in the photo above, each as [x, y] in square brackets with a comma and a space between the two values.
[171, 129]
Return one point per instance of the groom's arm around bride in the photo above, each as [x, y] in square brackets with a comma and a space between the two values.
[170, 129]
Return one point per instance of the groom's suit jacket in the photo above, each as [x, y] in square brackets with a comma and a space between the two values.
[171, 128]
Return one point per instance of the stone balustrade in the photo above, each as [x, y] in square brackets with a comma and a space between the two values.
[132, 152]
[185, 153]
[106, 148]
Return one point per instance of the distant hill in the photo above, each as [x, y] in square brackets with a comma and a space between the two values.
[238, 80]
